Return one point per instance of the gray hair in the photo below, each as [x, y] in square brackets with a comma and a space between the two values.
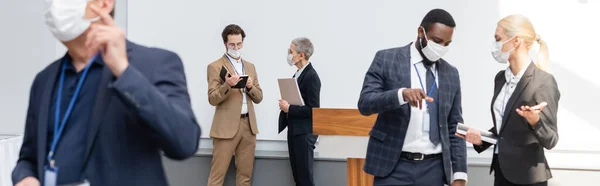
[303, 45]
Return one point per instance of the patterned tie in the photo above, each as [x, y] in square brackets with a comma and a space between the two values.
[434, 132]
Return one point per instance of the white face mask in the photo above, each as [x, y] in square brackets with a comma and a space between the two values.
[499, 55]
[289, 60]
[234, 53]
[433, 51]
[66, 18]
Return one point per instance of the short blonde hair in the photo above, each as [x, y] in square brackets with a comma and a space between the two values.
[519, 25]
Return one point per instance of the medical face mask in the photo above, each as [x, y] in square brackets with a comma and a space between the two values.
[499, 55]
[433, 51]
[66, 18]
[289, 60]
[234, 53]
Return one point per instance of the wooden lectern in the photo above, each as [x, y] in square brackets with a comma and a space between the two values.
[346, 122]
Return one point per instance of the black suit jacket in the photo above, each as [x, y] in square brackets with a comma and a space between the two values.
[521, 152]
[299, 118]
[136, 116]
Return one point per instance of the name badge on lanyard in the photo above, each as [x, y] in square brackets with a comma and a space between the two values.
[51, 170]
[430, 88]
[430, 92]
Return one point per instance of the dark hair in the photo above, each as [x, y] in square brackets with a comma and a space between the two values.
[437, 16]
[232, 29]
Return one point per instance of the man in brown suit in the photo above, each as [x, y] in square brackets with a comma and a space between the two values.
[234, 124]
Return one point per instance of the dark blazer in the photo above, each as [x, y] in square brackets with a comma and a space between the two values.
[299, 118]
[389, 72]
[521, 154]
[136, 116]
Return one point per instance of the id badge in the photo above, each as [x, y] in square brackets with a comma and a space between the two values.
[426, 119]
[50, 176]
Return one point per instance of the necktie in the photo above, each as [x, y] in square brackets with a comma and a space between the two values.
[434, 131]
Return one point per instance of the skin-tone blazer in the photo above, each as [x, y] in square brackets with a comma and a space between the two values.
[228, 101]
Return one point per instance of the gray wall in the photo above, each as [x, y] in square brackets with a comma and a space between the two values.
[26, 47]
[276, 171]
[267, 172]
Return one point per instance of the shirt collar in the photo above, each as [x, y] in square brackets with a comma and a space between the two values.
[415, 56]
[233, 60]
[515, 78]
[68, 59]
[301, 69]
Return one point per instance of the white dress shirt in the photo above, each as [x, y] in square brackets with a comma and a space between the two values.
[507, 90]
[417, 135]
[239, 69]
[300, 71]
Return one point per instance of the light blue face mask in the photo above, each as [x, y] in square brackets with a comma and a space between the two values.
[433, 51]
[234, 53]
[290, 61]
[499, 55]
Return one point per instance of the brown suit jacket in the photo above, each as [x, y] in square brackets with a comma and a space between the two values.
[228, 101]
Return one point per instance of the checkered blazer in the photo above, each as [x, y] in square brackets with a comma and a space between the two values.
[389, 72]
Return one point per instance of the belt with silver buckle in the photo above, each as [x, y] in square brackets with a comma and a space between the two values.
[418, 156]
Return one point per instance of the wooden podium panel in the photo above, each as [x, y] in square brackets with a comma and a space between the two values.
[356, 175]
[346, 122]
[341, 122]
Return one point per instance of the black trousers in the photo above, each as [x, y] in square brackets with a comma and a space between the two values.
[428, 172]
[500, 180]
[301, 149]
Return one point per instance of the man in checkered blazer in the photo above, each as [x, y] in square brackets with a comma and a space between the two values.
[417, 97]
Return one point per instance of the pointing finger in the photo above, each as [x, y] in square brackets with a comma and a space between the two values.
[104, 16]
[429, 99]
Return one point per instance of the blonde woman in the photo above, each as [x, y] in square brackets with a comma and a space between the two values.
[523, 107]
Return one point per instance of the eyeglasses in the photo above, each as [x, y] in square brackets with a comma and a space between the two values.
[234, 45]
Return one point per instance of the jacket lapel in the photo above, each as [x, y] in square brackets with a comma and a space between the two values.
[510, 106]
[303, 74]
[405, 70]
[99, 109]
[228, 65]
[103, 98]
[44, 111]
[499, 82]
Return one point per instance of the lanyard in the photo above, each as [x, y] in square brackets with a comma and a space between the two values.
[421, 82]
[233, 65]
[59, 127]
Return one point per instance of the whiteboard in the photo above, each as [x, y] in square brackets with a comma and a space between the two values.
[347, 33]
